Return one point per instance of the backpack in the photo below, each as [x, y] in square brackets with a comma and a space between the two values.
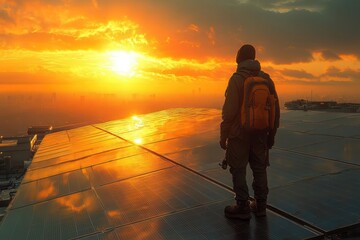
[258, 105]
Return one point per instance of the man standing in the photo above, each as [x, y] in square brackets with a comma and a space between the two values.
[243, 147]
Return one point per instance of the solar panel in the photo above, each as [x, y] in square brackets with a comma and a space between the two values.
[61, 218]
[72, 163]
[207, 222]
[341, 149]
[128, 167]
[156, 176]
[51, 187]
[329, 202]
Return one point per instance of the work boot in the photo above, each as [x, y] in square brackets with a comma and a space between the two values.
[239, 211]
[258, 207]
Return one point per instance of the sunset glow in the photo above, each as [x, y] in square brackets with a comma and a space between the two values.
[123, 62]
[93, 50]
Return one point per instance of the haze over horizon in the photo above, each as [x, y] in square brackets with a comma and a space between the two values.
[151, 55]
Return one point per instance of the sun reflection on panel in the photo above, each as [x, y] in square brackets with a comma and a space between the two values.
[138, 141]
[137, 121]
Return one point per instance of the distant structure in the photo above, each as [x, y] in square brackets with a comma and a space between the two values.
[40, 131]
[15, 156]
[14, 152]
[330, 106]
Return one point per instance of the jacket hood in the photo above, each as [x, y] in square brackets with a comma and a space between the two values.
[249, 66]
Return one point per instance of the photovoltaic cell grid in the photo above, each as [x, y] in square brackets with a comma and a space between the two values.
[143, 177]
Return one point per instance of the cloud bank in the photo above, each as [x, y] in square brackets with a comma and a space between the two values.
[302, 41]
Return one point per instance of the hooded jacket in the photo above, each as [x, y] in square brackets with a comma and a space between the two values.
[230, 126]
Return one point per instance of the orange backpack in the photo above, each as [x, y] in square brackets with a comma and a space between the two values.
[258, 105]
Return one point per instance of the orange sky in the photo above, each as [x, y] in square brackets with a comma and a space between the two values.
[178, 47]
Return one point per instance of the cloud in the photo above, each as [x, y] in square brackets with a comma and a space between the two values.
[346, 75]
[283, 31]
[286, 5]
[329, 55]
[184, 68]
[340, 73]
[5, 17]
[300, 74]
[79, 34]
[285, 37]
[332, 76]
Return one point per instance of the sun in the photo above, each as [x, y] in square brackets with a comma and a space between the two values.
[123, 62]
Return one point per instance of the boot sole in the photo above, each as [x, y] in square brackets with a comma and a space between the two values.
[260, 214]
[238, 216]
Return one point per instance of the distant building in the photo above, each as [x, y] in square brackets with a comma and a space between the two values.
[14, 151]
[40, 131]
[329, 106]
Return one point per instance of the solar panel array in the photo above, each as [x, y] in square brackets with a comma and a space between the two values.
[156, 176]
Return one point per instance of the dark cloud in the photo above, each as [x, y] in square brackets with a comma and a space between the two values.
[286, 5]
[332, 76]
[298, 74]
[349, 74]
[293, 35]
[285, 37]
[329, 55]
[4, 16]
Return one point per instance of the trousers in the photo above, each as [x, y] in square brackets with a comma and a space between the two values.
[252, 149]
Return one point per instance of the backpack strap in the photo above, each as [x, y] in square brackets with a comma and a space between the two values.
[244, 75]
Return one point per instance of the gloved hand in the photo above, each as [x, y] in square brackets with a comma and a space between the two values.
[271, 139]
[223, 144]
